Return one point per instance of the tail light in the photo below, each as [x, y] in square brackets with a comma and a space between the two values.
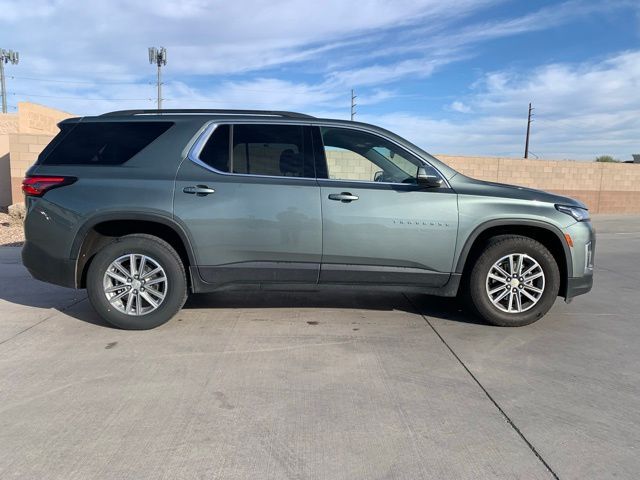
[36, 186]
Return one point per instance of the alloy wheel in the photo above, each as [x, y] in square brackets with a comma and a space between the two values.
[515, 283]
[135, 284]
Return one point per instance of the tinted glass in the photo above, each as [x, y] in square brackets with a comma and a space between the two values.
[356, 155]
[216, 151]
[276, 150]
[101, 143]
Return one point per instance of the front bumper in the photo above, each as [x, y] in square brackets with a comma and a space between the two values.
[578, 286]
[582, 257]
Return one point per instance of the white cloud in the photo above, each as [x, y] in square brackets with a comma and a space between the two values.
[431, 46]
[89, 39]
[581, 111]
[300, 55]
[460, 107]
[100, 43]
[386, 73]
[336, 40]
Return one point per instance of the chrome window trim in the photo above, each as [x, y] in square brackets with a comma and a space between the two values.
[209, 128]
[369, 182]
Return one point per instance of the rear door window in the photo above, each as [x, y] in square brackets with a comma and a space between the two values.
[101, 143]
[215, 153]
[250, 149]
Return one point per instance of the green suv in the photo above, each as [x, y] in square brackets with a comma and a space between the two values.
[142, 207]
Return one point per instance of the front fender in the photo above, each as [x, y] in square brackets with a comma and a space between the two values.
[518, 222]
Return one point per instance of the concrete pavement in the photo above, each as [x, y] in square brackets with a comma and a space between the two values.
[323, 386]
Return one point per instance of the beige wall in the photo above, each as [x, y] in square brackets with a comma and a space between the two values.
[38, 119]
[345, 164]
[5, 172]
[8, 124]
[604, 187]
[24, 151]
[22, 137]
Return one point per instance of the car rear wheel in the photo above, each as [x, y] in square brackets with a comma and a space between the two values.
[514, 281]
[137, 282]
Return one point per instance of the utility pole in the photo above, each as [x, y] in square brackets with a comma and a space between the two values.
[159, 57]
[353, 104]
[6, 56]
[526, 143]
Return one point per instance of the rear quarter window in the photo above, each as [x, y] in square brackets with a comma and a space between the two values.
[101, 143]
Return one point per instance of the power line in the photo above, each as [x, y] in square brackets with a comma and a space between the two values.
[186, 100]
[218, 101]
[73, 82]
[233, 87]
[102, 82]
[27, 95]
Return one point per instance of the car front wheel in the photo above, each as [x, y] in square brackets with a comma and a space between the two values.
[514, 281]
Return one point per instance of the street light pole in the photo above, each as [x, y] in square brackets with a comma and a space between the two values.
[6, 56]
[159, 57]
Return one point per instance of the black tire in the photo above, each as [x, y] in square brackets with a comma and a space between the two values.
[162, 253]
[497, 248]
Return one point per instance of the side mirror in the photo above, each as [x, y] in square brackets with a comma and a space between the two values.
[377, 177]
[426, 180]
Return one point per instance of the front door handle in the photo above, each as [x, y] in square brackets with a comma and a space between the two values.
[199, 190]
[344, 197]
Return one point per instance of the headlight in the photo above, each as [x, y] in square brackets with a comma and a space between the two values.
[580, 214]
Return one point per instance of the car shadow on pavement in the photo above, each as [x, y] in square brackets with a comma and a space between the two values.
[251, 299]
[76, 305]
[427, 306]
[444, 308]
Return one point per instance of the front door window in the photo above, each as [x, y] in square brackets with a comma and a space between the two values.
[354, 155]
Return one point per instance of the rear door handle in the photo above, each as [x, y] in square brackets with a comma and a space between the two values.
[344, 197]
[199, 190]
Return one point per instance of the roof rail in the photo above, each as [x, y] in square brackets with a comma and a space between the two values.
[267, 113]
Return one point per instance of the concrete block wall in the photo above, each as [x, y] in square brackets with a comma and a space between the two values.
[603, 187]
[345, 164]
[8, 125]
[23, 135]
[39, 119]
[620, 188]
[24, 149]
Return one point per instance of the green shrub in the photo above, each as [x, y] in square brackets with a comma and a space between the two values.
[607, 159]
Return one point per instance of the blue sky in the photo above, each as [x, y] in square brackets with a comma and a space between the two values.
[453, 76]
